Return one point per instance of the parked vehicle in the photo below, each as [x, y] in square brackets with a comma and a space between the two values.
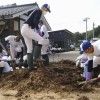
[94, 39]
[56, 50]
[72, 47]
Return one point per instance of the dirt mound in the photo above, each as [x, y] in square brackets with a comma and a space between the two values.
[58, 76]
[83, 98]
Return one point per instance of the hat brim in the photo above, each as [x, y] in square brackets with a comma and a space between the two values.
[81, 52]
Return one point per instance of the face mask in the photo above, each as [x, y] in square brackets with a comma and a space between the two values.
[44, 12]
[39, 26]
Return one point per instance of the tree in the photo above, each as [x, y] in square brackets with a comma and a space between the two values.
[77, 36]
[97, 31]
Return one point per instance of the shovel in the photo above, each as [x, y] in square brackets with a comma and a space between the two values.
[92, 80]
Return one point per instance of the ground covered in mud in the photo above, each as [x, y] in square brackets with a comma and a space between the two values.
[59, 77]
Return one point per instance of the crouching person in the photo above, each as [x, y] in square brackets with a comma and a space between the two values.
[16, 47]
[91, 50]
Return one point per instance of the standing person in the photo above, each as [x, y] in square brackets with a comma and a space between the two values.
[92, 52]
[16, 46]
[30, 31]
[44, 49]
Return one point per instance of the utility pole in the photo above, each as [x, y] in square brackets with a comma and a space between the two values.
[93, 29]
[86, 26]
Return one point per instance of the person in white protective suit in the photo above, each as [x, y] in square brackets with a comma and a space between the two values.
[16, 46]
[30, 31]
[4, 66]
[45, 47]
[7, 67]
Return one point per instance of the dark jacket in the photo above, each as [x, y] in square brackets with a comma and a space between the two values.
[33, 18]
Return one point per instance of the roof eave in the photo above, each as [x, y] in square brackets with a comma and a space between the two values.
[69, 32]
[6, 17]
[20, 13]
[62, 30]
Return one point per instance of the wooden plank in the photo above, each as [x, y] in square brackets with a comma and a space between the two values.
[11, 26]
[3, 47]
[3, 27]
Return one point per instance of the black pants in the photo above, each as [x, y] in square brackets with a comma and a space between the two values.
[20, 55]
[1, 70]
[96, 71]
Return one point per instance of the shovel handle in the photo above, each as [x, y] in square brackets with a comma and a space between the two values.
[92, 80]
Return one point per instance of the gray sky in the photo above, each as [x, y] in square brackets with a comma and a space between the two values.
[67, 14]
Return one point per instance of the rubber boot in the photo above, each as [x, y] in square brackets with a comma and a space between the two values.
[46, 58]
[37, 52]
[88, 76]
[25, 64]
[30, 60]
[1, 71]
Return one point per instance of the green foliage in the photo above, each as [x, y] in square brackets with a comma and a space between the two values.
[97, 31]
[81, 36]
[77, 36]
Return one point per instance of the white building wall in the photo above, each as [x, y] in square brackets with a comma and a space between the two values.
[2, 22]
[15, 25]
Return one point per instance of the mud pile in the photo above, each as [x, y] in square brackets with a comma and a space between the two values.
[58, 76]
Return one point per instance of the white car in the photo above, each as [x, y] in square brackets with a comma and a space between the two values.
[93, 40]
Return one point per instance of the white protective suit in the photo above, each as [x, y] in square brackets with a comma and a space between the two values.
[45, 36]
[3, 63]
[29, 35]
